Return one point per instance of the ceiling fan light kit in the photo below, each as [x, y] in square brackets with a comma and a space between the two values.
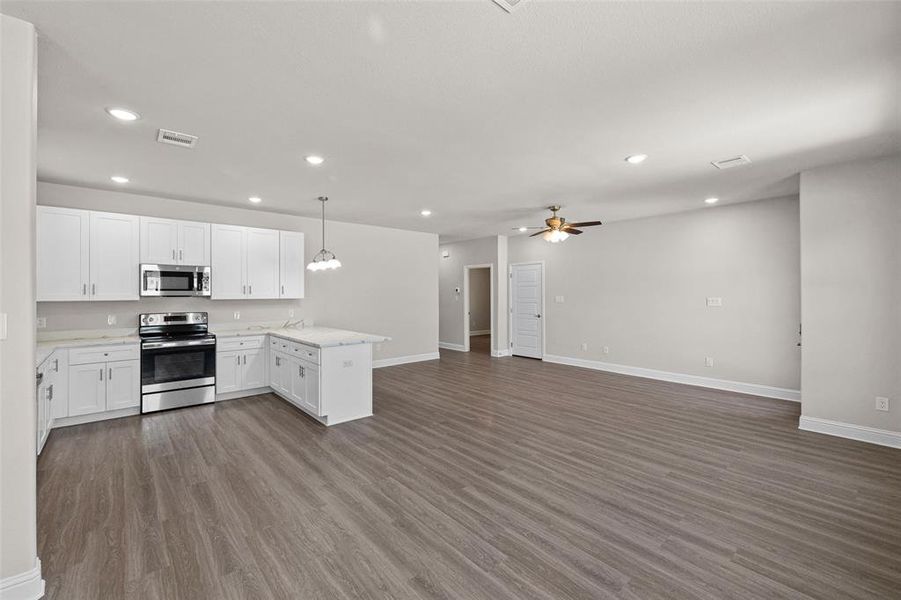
[557, 229]
[325, 260]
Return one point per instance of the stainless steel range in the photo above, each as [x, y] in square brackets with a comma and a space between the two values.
[178, 361]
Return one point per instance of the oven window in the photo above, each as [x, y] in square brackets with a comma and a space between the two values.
[177, 282]
[177, 364]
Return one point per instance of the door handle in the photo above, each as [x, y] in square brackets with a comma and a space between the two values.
[537, 316]
[101, 374]
[110, 374]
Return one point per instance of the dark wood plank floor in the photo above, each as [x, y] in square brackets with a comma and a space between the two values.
[476, 478]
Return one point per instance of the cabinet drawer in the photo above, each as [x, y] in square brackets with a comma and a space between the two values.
[308, 353]
[98, 354]
[243, 342]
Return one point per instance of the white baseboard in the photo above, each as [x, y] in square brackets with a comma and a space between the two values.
[500, 353]
[449, 346]
[480, 332]
[99, 416]
[402, 360]
[883, 437]
[755, 389]
[24, 586]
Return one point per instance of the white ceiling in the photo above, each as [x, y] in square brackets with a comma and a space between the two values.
[482, 116]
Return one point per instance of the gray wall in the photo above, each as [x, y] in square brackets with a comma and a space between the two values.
[18, 519]
[851, 292]
[479, 300]
[388, 283]
[639, 287]
[450, 277]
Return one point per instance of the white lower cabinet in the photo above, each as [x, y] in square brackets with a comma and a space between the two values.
[44, 411]
[99, 387]
[241, 364]
[293, 378]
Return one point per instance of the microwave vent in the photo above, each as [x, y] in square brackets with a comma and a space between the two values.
[183, 140]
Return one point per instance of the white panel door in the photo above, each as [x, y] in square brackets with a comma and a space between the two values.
[159, 241]
[228, 266]
[527, 306]
[87, 389]
[298, 384]
[194, 243]
[262, 263]
[115, 241]
[291, 265]
[123, 384]
[254, 364]
[275, 372]
[228, 372]
[59, 378]
[63, 254]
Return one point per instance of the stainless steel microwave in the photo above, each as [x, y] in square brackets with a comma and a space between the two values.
[175, 280]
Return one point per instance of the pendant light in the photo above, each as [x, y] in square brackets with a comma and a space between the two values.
[324, 259]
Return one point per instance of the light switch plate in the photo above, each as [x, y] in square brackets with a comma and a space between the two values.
[110, 319]
[714, 301]
[290, 312]
[708, 362]
[558, 299]
[237, 315]
[881, 403]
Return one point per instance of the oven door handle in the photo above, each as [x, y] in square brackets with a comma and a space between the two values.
[151, 345]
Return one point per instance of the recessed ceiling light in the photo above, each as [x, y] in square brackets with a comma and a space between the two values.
[255, 199]
[123, 114]
[712, 200]
[425, 212]
[315, 160]
[523, 229]
[119, 179]
[636, 159]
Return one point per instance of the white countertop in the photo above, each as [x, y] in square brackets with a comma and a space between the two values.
[45, 348]
[321, 337]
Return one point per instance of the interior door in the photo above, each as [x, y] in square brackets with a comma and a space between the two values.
[262, 263]
[159, 240]
[291, 267]
[63, 254]
[114, 256]
[123, 384]
[527, 306]
[227, 279]
[87, 389]
[194, 244]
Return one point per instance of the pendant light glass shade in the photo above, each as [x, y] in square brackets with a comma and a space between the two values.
[325, 260]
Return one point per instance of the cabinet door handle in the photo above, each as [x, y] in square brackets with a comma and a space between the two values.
[101, 374]
[299, 371]
[243, 290]
[173, 254]
[93, 289]
[250, 290]
[245, 359]
[50, 393]
[283, 290]
[238, 359]
[181, 254]
[276, 361]
[110, 374]
[56, 365]
[84, 289]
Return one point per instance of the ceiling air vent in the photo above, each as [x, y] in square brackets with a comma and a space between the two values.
[736, 161]
[509, 5]
[175, 138]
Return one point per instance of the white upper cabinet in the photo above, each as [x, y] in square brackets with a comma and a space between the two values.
[83, 255]
[193, 243]
[228, 265]
[291, 265]
[169, 242]
[262, 263]
[63, 256]
[114, 256]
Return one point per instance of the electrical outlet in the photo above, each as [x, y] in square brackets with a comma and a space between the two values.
[348, 363]
[708, 362]
[558, 299]
[711, 301]
[42, 322]
[291, 312]
[606, 350]
[110, 319]
[584, 346]
[881, 403]
[237, 315]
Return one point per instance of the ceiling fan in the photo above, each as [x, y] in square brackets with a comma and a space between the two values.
[556, 228]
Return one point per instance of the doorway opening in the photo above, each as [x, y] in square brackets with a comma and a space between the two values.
[478, 308]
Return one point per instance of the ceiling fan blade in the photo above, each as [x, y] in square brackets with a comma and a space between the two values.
[585, 224]
[540, 232]
[572, 231]
[518, 228]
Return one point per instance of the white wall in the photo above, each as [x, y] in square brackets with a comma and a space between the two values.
[479, 300]
[18, 520]
[851, 292]
[450, 275]
[388, 284]
[639, 288]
